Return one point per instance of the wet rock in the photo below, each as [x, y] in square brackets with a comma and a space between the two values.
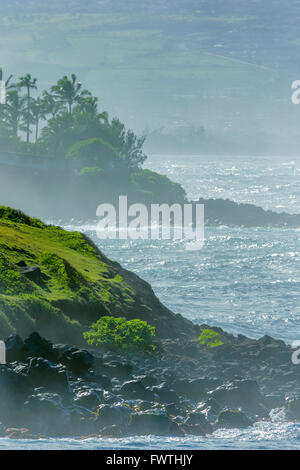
[14, 389]
[82, 422]
[135, 389]
[118, 369]
[238, 393]
[20, 433]
[45, 414]
[273, 401]
[232, 419]
[293, 406]
[109, 415]
[148, 380]
[157, 424]
[42, 373]
[165, 394]
[36, 346]
[110, 398]
[89, 398]
[113, 432]
[78, 360]
[103, 381]
[206, 393]
[176, 409]
[193, 389]
[196, 418]
[14, 349]
[194, 430]
[2, 430]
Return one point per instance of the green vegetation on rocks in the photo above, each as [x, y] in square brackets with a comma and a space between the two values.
[58, 283]
[210, 338]
[121, 334]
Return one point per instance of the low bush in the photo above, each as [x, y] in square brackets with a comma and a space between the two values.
[118, 333]
[210, 338]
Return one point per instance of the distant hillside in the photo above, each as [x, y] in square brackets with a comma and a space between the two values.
[221, 64]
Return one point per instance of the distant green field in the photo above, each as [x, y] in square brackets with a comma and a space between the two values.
[154, 64]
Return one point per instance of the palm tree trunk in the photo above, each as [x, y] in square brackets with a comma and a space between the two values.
[37, 130]
[27, 124]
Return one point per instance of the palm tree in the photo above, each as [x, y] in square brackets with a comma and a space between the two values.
[29, 84]
[57, 135]
[69, 91]
[7, 86]
[90, 105]
[51, 106]
[7, 82]
[37, 112]
[14, 112]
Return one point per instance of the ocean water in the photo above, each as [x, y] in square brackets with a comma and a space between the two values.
[243, 280]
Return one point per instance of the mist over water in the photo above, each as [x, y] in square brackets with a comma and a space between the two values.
[245, 280]
[272, 182]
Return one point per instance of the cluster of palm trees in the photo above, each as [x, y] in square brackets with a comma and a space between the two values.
[69, 114]
[21, 112]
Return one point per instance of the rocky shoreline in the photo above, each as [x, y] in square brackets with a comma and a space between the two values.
[185, 388]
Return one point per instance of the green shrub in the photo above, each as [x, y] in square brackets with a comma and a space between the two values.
[157, 187]
[119, 333]
[210, 338]
[90, 172]
[93, 153]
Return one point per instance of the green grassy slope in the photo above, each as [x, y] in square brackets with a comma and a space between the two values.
[77, 284]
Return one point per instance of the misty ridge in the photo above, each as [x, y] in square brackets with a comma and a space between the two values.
[82, 158]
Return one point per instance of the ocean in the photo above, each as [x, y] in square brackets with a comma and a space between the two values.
[245, 280]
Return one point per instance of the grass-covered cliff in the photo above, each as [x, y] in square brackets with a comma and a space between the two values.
[57, 282]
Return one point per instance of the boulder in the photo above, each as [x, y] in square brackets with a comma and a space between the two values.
[36, 346]
[103, 381]
[89, 398]
[293, 406]
[14, 389]
[78, 360]
[157, 424]
[44, 413]
[196, 418]
[42, 373]
[193, 389]
[108, 415]
[238, 393]
[113, 432]
[14, 349]
[120, 370]
[165, 394]
[232, 419]
[135, 389]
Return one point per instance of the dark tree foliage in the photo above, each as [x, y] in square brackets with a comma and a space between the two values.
[52, 123]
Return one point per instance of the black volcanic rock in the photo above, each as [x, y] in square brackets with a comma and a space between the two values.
[166, 393]
[233, 419]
